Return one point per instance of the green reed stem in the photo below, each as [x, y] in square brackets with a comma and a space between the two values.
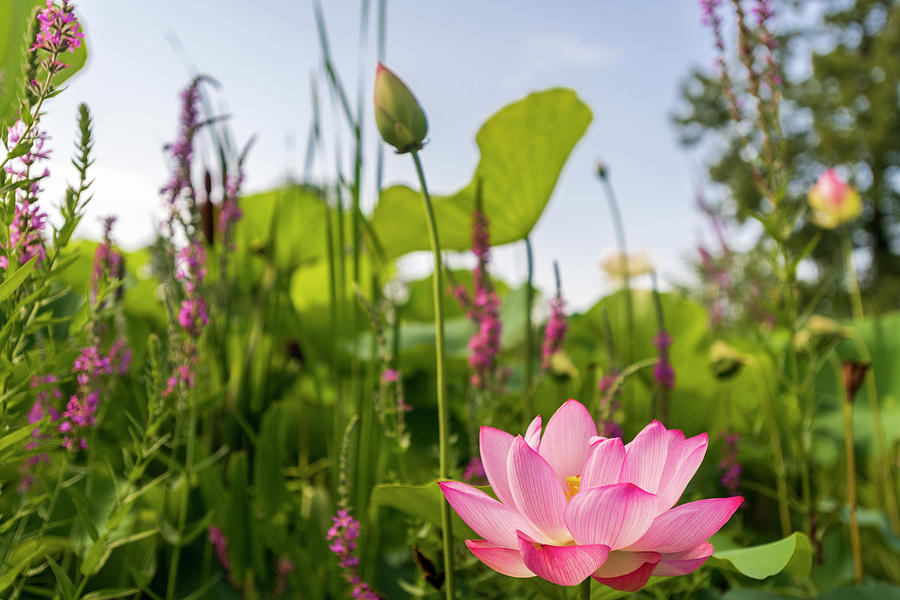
[527, 408]
[883, 460]
[850, 457]
[784, 515]
[444, 450]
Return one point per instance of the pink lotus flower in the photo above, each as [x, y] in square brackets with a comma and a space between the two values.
[833, 201]
[573, 505]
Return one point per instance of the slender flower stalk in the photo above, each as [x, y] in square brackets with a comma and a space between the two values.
[483, 306]
[852, 373]
[443, 416]
[625, 266]
[402, 124]
[529, 331]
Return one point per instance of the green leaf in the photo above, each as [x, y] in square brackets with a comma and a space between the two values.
[12, 282]
[66, 587]
[7, 578]
[791, 555]
[270, 484]
[420, 501]
[16, 437]
[524, 147]
[880, 591]
[110, 594]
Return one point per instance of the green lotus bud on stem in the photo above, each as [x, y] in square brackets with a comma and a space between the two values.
[399, 117]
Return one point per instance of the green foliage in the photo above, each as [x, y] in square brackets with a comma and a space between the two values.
[791, 555]
[842, 112]
[524, 147]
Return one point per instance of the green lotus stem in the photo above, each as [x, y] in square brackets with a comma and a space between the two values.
[444, 450]
[784, 515]
[584, 589]
[850, 457]
[883, 460]
[856, 305]
[619, 229]
[527, 412]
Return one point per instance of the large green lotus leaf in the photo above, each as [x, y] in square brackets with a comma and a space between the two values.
[420, 501]
[791, 555]
[524, 147]
[14, 45]
[694, 405]
[287, 221]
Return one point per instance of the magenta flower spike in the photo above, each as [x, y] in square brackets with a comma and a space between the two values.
[573, 505]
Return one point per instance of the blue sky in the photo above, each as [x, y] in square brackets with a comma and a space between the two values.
[464, 60]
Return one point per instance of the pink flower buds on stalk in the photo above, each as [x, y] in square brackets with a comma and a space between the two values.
[555, 331]
[833, 201]
[574, 505]
[343, 535]
[59, 29]
[663, 372]
[220, 545]
[399, 117]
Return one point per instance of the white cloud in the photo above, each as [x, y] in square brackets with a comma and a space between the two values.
[547, 53]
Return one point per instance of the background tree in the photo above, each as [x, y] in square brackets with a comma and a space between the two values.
[840, 66]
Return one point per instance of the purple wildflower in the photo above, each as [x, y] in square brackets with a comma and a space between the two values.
[182, 149]
[59, 29]
[483, 308]
[231, 211]
[663, 372]
[474, 472]
[193, 316]
[390, 376]
[609, 404]
[343, 535]
[555, 331]
[730, 465]
[220, 545]
[284, 568]
[108, 261]
[25, 239]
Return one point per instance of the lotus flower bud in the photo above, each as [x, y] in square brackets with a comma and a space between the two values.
[724, 359]
[399, 117]
[833, 201]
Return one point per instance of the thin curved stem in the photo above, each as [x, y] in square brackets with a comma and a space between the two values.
[444, 450]
[529, 333]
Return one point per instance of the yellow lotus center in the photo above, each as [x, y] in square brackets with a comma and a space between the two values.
[573, 483]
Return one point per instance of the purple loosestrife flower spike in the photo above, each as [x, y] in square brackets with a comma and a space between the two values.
[730, 465]
[220, 545]
[59, 29]
[182, 150]
[483, 307]
[555, 331]
[342, 535]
